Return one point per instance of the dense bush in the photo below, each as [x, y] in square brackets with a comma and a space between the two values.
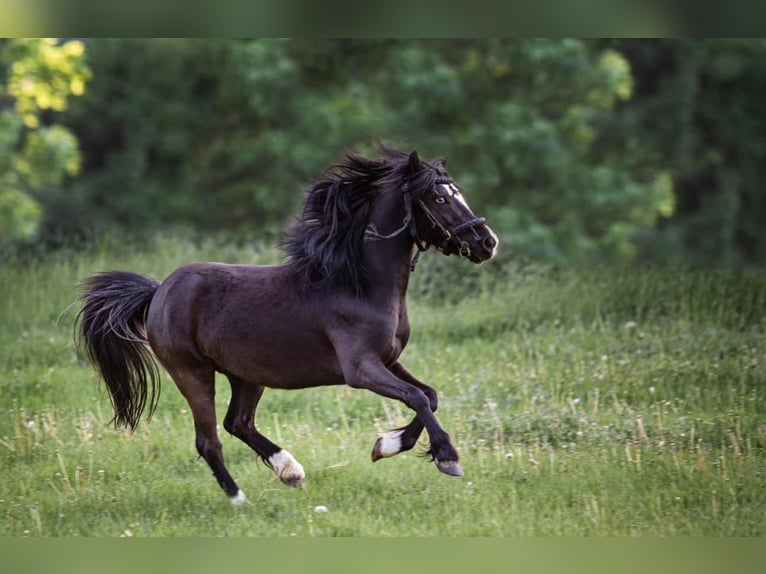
[575, 150]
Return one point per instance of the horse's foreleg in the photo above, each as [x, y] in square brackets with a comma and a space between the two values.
[398, 440]
[369, 373]
[240, 422]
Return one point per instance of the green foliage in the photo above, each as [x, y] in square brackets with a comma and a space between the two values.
[575, 149]
[223, 134]
[698, 114]
[40, 75]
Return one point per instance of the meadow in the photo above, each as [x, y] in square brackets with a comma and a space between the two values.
[584, 402]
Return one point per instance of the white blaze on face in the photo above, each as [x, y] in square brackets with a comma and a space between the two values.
[452, 190]
[497, 242]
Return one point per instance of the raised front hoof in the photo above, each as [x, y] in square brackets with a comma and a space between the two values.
[450, 467]
[379, 451]
[376, 452]
[388, 444]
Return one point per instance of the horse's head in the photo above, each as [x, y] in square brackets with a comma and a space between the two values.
[443, 219]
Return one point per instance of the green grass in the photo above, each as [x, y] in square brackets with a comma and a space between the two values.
[601, 402]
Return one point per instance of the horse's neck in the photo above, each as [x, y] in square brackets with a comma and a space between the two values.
[388, 265]
[388, 261]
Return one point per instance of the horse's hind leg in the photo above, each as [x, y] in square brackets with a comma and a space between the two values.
[198, 386]
[240, 422]
[398, 440]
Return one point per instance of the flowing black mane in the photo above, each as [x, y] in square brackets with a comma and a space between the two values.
[325, 244]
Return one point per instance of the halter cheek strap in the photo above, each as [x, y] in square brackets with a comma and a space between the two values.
[371, 232]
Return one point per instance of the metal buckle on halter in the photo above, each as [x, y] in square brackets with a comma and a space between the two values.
[463, 249]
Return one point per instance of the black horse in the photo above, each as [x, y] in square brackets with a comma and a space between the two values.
[335, 313]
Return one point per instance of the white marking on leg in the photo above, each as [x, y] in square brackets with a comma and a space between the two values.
[239, 499]
[287, 469]
[390, 443]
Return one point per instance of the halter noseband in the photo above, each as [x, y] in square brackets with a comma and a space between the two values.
[448, 236]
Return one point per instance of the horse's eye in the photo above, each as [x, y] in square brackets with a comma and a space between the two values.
[440, 199]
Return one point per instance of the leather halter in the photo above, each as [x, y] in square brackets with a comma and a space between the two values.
[449, 236]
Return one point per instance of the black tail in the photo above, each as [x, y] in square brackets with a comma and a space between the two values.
[112, 334]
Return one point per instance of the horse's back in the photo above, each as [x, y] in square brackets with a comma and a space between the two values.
[251, 321]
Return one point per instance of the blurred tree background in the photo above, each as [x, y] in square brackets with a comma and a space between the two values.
[575, 150]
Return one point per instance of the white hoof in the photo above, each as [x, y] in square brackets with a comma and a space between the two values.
[287, 469]
[388, 444]
[239, 499]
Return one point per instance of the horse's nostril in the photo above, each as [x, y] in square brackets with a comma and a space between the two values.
[490, 243]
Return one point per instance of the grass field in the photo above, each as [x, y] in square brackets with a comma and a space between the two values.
[598, 402]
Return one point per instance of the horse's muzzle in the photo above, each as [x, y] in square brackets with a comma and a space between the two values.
[479, 245]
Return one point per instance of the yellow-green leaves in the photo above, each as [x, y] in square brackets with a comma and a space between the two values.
[617, 70]
[42, 74]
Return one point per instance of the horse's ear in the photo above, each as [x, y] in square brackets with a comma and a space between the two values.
[441, 162]
[414, 163]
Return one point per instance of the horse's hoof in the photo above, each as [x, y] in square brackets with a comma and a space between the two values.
[450, 467]
[388, 444]
[238, 499]
[294, 482]
[377, 452]
[287, 469]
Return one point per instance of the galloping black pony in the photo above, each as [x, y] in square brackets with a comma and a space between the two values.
[335, 313]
